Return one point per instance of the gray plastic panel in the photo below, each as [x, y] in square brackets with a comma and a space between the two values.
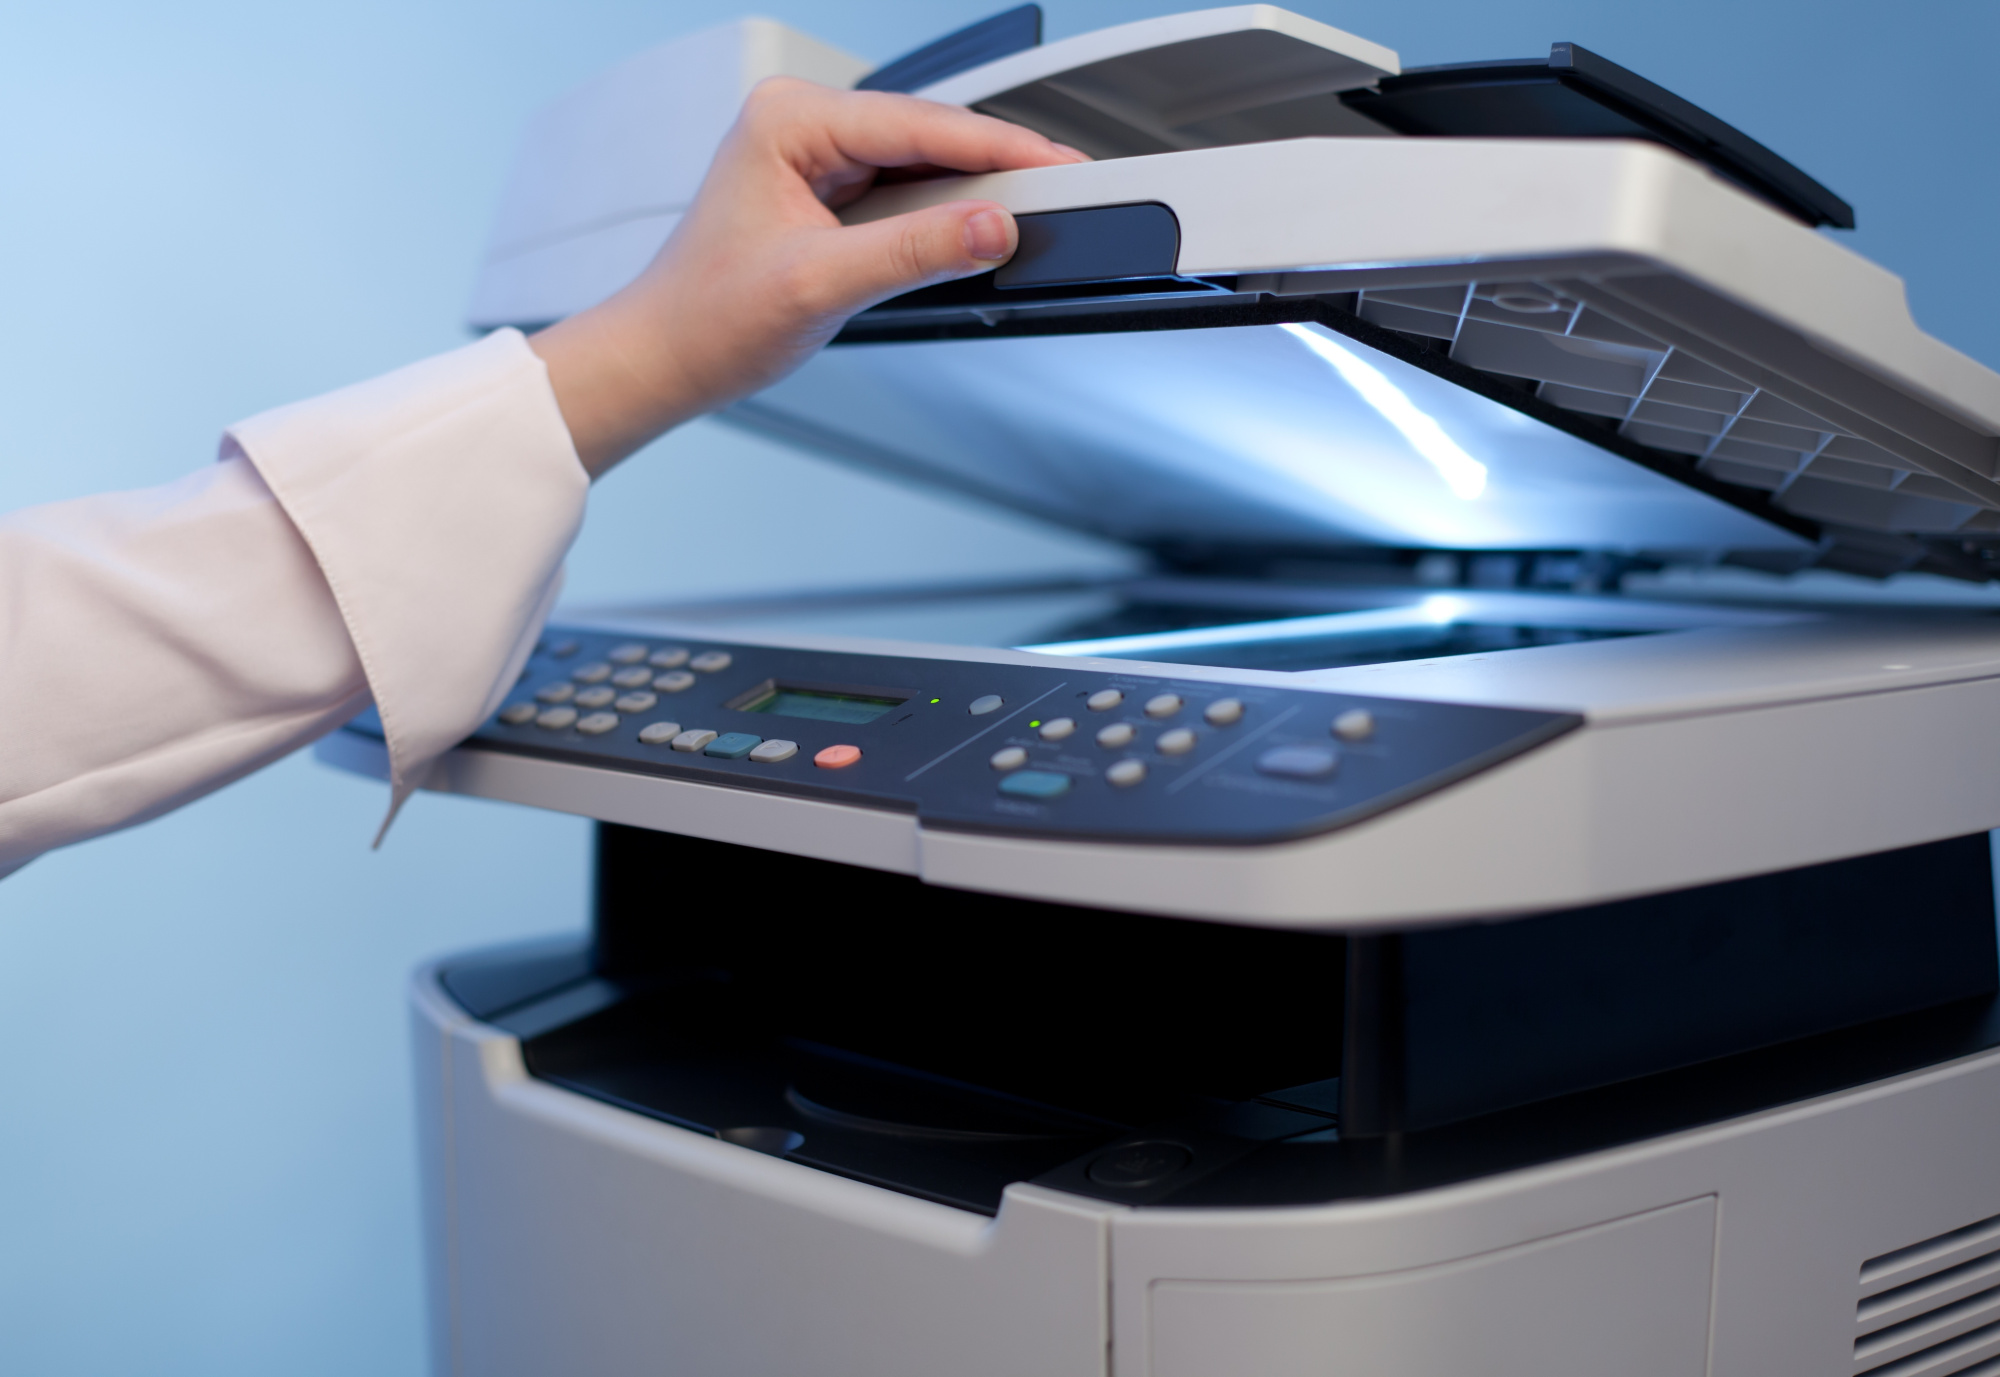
[1240, 781]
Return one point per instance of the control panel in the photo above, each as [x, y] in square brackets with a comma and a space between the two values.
[1040, 749]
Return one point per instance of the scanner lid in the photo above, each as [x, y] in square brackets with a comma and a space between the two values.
[1266, 319]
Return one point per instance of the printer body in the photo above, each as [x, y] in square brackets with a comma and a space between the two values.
[1481, 900]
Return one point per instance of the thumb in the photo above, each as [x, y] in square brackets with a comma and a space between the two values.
[860, 265]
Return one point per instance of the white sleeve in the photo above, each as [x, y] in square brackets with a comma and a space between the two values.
[398, 541]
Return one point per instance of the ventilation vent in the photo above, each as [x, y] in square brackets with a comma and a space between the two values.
[1932, 1309]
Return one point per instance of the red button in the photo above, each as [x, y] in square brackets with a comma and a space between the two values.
[837, 757]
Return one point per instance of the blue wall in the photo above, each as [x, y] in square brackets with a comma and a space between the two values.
[205, 1141]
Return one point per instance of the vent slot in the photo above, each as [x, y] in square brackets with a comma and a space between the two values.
[1932, 1309]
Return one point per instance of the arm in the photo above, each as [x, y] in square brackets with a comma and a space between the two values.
[401, 541]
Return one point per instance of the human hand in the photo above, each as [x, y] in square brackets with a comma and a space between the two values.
[760, 272]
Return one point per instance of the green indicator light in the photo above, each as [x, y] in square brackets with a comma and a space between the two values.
[937, 700]
[1034, 724]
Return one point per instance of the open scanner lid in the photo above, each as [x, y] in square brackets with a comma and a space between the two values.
[1299, 328]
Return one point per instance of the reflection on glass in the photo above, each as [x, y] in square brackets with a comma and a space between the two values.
[1433, 628]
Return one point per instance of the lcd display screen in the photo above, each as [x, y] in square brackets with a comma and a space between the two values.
[818, 704]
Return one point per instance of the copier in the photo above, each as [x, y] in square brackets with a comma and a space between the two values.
[1483, 900]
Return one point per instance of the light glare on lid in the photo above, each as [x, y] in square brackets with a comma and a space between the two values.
[1464, 475]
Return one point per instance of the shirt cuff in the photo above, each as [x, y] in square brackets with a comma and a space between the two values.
[439, 501]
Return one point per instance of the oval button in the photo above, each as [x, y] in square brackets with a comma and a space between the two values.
[1356, 724]
[1179, 741]
[1126, 773]
[991, 702]
[1117, 736]
[1223, 712]
[1008, 758]
[1299, 762]
[1163, 705]
[1036, 784]
[837, 757]
[1061, 729]
[1104, 700]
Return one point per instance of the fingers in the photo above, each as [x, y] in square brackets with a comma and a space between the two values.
[880, 129]
[850, 269]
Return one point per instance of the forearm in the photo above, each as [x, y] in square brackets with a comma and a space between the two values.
[396, 542]
[158, 644]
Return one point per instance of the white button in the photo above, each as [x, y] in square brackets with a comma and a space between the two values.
[628, 654]
[673, 681]
[636, 677]
[555, 719]
[1223, 712]
[594, 673]
[557, 693]
[1117, 736]
[659, 733]
[693, 739]
[673, 657]
[1163, 705]
[771, 752]
[1060, 729]
[598, 723]
[594, 697]
[515, 714]
[1008, 758]
[711, 661]
[1356, 724]
[1126, 773]
[635, 702]
[1179, 741]
[986, 703]
[1104, 700]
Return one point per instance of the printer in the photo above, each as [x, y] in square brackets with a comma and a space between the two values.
[1477, 902]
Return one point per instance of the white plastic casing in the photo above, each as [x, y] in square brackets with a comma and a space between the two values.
[566, 1235]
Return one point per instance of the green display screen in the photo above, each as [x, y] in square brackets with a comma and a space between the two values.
[821, 706]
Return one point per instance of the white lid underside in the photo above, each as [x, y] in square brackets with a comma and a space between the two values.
[1620, 287]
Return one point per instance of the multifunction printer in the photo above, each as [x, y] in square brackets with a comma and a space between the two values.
[1506, 889]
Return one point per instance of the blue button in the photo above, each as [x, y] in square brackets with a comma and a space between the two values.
[1299, 762]
[732, 745]
[1036, 784]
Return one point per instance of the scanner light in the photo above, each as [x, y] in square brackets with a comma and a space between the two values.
[1437, 610]
[1464, 475]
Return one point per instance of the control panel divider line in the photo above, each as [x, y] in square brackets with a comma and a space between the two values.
[976, 735]
[1229, 751]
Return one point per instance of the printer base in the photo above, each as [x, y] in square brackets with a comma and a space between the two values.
[567, 1234]
[866, 1126]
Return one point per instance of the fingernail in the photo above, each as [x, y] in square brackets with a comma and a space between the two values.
[986, 235]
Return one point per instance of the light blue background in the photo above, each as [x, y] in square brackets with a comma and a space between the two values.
[210, 208]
